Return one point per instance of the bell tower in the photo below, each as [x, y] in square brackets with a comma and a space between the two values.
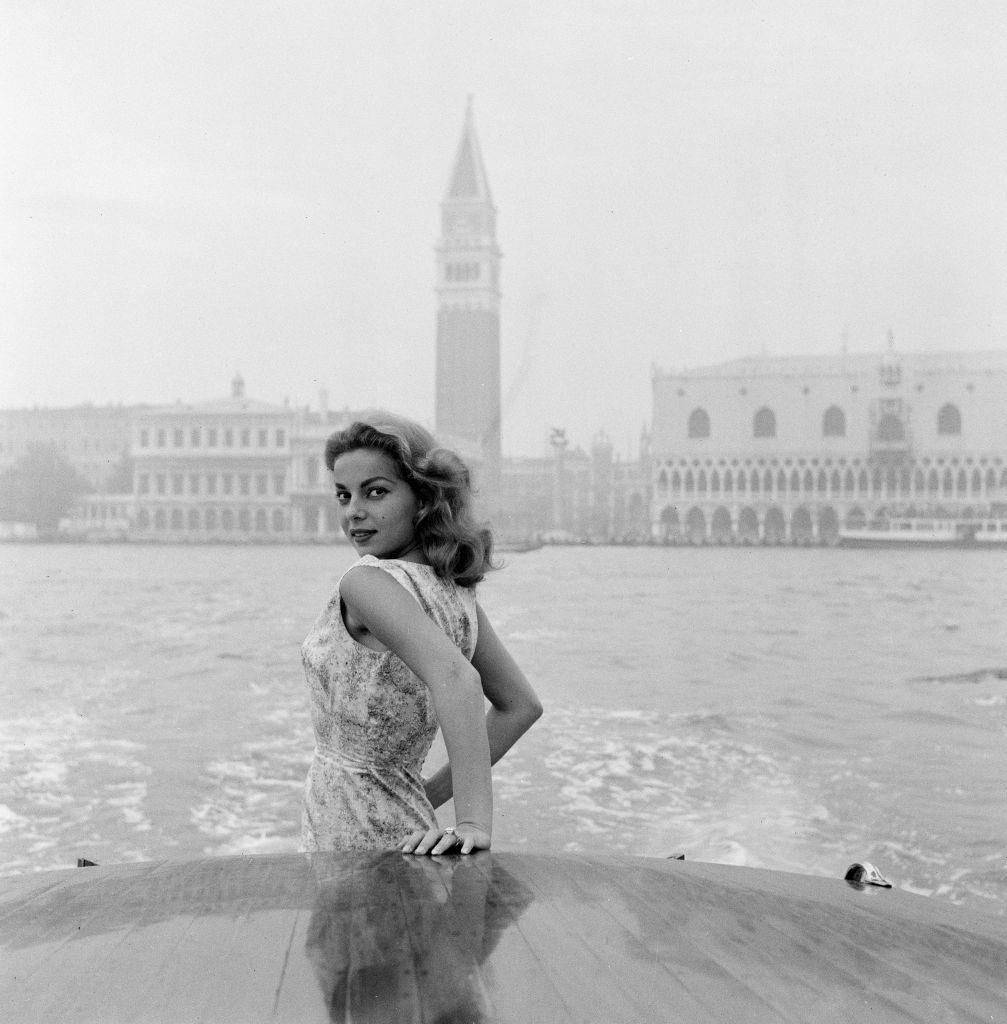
[468, 320]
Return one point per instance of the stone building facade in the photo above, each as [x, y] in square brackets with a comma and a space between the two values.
[218, 470]
[788, 449]
[574, 496]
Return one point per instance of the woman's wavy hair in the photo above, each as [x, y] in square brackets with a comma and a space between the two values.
[456, 546]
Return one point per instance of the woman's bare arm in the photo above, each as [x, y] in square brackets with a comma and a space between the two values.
[514, 705]
[394, 617]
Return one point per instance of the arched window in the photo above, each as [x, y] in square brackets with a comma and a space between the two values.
[949, 481]
[862, 482]
[963, 481]
[160, 519]
[742, 481]
[689, 483]
[701, 482]
[755, 482]
[676, 481]
[991, 480]
[949, 420]
[977, 481]
[834, 422]
[714, 482]
[211, 519]
[767, 482]
[933, 483]
[919, 481]
[669, 522]
[662, 480]
[278, 520]
[764, 424]
[876, 480]
[809, 480]
[848, 484]
[823, 481]
[890, 428]
[260, 519]
[143, 518]
[699, 423]
[193, 518]
[728, 482]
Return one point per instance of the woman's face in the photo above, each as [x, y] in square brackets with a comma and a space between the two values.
[377, 508]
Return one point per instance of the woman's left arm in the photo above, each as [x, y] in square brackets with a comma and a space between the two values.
[514, 705]
[394, 617]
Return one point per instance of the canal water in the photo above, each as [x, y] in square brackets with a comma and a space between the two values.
[786, 708]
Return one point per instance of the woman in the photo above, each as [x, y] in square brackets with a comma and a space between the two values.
[402, 648]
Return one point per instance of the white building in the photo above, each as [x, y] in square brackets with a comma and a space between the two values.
[784, 449]
[218, 470]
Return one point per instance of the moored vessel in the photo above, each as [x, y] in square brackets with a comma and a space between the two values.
[925, 532]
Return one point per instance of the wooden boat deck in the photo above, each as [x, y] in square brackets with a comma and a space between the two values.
[496, 937]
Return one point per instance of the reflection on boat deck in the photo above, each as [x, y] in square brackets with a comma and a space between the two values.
[492, 937]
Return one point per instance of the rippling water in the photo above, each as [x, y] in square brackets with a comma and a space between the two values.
[795, 709]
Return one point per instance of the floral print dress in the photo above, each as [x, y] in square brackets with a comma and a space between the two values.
[374, 721]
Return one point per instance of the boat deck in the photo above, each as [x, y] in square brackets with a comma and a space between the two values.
[493, 937]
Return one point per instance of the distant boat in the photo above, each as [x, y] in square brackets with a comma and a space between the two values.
[494, 938]
[923, 532]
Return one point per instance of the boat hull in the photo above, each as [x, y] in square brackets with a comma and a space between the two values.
[498, 937]
[936, 544]
[928, 534]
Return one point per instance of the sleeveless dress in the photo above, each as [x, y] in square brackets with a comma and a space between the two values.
[374, 721]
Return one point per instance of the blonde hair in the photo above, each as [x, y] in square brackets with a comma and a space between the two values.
[456, 546]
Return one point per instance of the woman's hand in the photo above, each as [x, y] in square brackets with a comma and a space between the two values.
[463, 838]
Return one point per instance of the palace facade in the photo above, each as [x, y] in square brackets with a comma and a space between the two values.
[786, 449]
[213, 469]
[230, 469]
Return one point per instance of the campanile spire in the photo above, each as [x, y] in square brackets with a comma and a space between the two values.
[468, 315]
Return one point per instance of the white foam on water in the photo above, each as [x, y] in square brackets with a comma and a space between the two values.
[55, 763]
[651, 783]
[11, 819]
[254, 800]
[993, 700]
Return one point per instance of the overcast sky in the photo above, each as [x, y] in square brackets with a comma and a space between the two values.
[196, 188]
